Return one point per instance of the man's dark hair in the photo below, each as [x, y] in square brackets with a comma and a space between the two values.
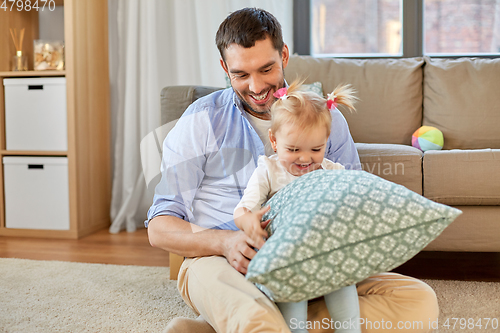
[246, 26]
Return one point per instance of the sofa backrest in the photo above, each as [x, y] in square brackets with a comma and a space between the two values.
[176, 99]
[462, 99]
[390, 92]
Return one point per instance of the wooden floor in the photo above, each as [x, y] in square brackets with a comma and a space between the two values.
[134, 249]
[465, 266]
[101, 247]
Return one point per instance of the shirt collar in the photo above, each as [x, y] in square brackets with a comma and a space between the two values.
[237, 102]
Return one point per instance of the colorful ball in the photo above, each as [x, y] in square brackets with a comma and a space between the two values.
[427, 138]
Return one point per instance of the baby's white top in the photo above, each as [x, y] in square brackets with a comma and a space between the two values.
[268, 178]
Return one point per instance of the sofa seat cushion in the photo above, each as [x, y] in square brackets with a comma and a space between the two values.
[390, 93]
[400, 164]
[462, 177]
[462, 99]
[476, 230]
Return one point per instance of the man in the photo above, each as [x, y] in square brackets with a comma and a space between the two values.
[208, 159]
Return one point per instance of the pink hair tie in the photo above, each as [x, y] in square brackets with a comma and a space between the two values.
[331, 101]
[281, 93]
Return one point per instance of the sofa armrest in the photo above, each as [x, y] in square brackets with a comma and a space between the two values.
[176, 99]
[175, 262]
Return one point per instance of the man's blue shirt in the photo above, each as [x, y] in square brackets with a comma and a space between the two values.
[210, 154]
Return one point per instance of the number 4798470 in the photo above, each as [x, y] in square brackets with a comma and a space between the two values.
[471, 323]
[27, 5]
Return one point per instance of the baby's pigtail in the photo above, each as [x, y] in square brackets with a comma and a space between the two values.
[342, 94]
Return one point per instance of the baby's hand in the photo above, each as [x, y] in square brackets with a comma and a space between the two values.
[251, 224]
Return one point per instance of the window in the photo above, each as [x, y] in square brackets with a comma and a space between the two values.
[462, 27]
[356, 27]
[397, 28]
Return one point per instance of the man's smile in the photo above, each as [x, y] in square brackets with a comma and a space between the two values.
[260, 97]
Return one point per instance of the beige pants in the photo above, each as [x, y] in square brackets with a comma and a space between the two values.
[226, 300]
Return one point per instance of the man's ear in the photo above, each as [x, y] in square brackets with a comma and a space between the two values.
[285, 55]
[224, 66]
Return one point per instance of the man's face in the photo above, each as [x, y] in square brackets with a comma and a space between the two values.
[255, 74]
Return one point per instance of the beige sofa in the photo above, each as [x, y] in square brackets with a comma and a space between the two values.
[461, 97]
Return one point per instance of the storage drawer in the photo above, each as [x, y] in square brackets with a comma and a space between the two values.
[35, 114]
[36, 193]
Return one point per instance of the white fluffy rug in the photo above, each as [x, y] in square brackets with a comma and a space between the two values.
[463, 303]
[54, 296]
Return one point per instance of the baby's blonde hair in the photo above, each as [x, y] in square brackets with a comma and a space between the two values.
[306, 109]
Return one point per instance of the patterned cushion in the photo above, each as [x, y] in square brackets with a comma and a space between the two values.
[316, 87]
[334, 228]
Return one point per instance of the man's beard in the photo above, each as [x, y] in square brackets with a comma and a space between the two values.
[247, 106]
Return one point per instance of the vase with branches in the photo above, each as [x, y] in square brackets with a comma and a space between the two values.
[19, 61]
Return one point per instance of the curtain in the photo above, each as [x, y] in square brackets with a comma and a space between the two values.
[154, 44]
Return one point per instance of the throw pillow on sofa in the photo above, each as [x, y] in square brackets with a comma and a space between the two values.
[334, 228]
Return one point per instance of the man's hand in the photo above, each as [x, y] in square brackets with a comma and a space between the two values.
[251, 224]
[176, 235]
[238, 250]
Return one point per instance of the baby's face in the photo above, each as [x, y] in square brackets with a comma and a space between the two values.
[300, 151]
